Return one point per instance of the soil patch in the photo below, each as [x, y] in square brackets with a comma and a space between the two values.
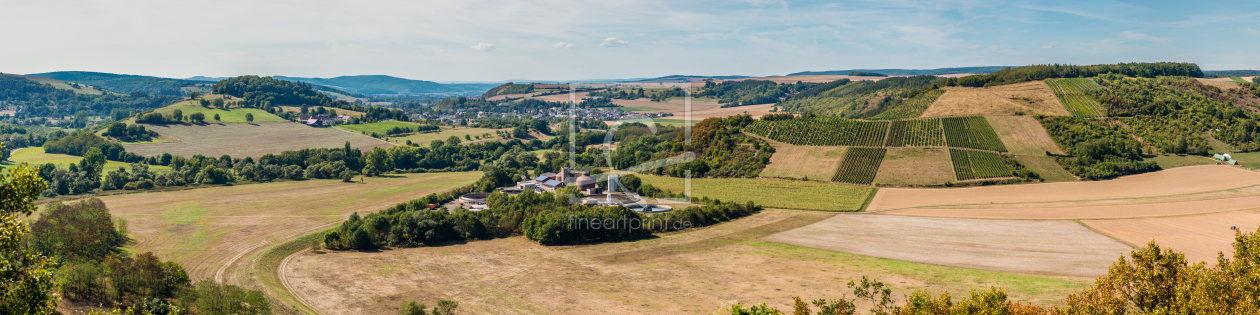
[1042, 247]
[803, 162]
[1200, 237]
[915, 166]
[1023, 135]
[1030, 98]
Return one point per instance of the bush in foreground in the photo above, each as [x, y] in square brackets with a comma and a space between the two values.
[1152, 280]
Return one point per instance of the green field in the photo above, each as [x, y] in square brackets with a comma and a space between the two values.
[1239, 80]
[771, 193]
[380, 128]
[235, 115]
[642, 109]
[36, 156]
[1168, 161]
[428, 137]
[1249, 160]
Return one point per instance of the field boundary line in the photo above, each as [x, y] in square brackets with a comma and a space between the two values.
[1075, 200]
[1092, 229]
[284, 280]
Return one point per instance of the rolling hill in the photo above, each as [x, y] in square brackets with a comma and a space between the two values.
[941, 71]
[125, 83]
[383, 84]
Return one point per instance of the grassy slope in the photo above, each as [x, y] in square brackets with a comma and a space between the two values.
[36, 156]
[378, 127]
[771, 193]
[426, 138]
[235, 115]
[340, 111]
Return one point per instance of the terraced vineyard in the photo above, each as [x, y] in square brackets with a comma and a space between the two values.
[897, 133]
[924, 133]
[971, 132]
[970, 164]
[828, 131]
[1071, 92]
[859, 165]
[967, 132]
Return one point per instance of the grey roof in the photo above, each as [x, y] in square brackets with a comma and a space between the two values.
[552, 183]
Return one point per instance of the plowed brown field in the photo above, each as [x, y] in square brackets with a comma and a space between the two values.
[1030, 98]
[1042, 247]
[1182, 180]
[1200, 237]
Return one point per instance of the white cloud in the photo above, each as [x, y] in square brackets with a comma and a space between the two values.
[483, 47]
[1046, 47]
[564, 45]
[614, 42]
[1131, 35]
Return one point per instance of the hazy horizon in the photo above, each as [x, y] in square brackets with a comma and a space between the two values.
[474, 41]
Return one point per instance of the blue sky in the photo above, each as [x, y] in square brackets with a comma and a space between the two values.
[573, 40]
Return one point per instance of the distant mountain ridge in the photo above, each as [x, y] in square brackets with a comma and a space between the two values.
[124, 83]
[383, 84]
[941, 71]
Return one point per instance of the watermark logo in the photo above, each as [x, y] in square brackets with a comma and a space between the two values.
[610, 173]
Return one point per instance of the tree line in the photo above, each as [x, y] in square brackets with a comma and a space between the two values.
[1039, 72]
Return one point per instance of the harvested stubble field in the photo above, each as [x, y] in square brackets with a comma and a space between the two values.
[771, 193]
[1025, 246]
[381, 128]
[914, 166]
[83, 88]
[1030, 98]
[688, 272]
[803, 162]
[1023, 135]
[216, 232]
[252, 140]
[1223, 83]
[1200, 237]
[1183, 180]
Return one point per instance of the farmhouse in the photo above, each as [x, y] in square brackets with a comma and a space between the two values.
[323, 120]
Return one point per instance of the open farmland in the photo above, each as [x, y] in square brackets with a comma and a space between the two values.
[1200, 237]
[1223, 83]
[678, 273]
[234, 115]
[1071, 92]
[860, 165]
[219, 139]
[1030, 98]
[771, 193]
[380, 128]
[215, 231]
[803, 162]
[914, 166]
[36, 156]
[83, 88]
[425, 138]
[1026, 246]
[1183, 180]
[1023, 135]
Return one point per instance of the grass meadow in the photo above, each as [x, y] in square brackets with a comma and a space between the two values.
[772, 193]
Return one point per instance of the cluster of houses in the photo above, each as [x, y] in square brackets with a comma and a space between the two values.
[601, 113]
[323, 120]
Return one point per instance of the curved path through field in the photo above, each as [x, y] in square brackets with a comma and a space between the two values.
[216, 232]
[1074, 228]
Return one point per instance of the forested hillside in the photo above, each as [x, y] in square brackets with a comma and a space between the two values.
[387, 85]
[42, 101]
[941, 71]
[858, 98]
[268, 93]
[124, 83]
[1039, 72]
[509, 88]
